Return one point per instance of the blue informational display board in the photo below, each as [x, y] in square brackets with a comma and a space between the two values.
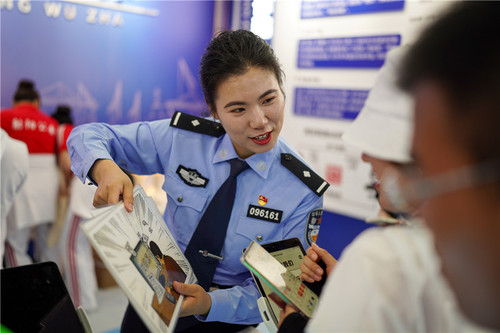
[337, 231]
[329, 103]
[326, 8]
[111, 61]
[346, 52]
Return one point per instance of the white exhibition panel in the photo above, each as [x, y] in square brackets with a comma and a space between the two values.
[330, 62]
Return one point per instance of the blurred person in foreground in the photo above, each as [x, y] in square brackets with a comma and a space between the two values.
[453, 72]
[388, 279]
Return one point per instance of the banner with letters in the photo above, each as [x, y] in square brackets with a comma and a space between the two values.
[111, 61]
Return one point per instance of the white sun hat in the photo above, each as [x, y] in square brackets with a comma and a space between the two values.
[384, 127]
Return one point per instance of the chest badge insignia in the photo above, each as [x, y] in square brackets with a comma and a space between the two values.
[262, 200]
[191, 177]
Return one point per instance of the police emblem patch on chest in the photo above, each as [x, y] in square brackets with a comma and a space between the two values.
[266, 214]
[191, 177]
[313, 224]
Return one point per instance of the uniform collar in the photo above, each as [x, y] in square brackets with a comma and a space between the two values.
[260, 163]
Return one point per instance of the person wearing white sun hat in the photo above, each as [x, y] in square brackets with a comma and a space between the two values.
[387, 279]
[383, 132]
[383, 128]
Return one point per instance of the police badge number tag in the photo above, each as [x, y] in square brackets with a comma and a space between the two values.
[266, 214]
[191, 177]
[312, 226]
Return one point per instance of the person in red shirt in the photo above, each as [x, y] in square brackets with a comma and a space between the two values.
[35, 204]
[75, 207]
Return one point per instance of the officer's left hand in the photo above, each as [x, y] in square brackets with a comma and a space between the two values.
[196, 299]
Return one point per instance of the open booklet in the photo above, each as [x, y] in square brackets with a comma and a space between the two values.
[143, 257]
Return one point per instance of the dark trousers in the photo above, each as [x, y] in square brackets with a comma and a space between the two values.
[132, 323]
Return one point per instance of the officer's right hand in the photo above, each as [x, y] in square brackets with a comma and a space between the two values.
[113, 185]
[196, 300]
[310, 270]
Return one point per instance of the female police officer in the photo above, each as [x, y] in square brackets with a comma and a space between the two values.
[277, 195]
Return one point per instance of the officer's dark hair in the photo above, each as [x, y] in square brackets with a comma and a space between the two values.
[26, 92]
[461, 52]
[234, 53]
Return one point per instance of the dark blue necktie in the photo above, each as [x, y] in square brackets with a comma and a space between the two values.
[204, 248]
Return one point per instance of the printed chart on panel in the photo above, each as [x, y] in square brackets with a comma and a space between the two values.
[143, 257]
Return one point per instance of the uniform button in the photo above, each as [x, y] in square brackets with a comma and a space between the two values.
[180, 199]
[259, 238]
[288, 157]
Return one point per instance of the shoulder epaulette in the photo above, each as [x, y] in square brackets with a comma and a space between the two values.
[317, 184]
[196, 124]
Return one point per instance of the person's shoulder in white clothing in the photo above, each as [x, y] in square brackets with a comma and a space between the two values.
[387, 280]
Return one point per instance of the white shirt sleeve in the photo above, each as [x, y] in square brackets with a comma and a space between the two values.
[14, 161]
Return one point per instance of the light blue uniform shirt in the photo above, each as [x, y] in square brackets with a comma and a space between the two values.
[156, 147]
